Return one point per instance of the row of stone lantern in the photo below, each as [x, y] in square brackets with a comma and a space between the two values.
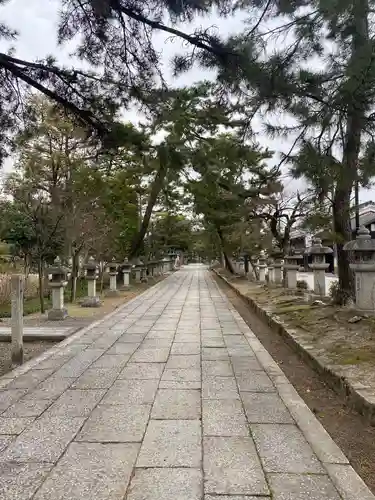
[362, 257]
[60, 274]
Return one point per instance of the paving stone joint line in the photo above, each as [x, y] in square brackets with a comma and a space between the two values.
[169, 397]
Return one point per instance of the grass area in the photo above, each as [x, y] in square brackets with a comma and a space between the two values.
[295, 308]
[353, 356]
[30, 306]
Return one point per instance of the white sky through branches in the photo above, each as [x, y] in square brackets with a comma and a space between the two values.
[36, 22]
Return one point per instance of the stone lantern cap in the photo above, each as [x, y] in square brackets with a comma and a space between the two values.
[270, 261]
[262, 259]
[318, 249]
[363, 250]
[138, 264]
[126, 266]
[58, 271]
[277, 256]
[293, 261]
[363, 242]
[92, 269]
[113, 266]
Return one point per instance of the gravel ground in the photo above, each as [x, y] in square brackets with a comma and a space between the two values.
[349, 429]
[31, 349]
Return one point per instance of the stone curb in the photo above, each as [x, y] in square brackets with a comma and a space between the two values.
[355, 397]
[348, 483]
[20, 370]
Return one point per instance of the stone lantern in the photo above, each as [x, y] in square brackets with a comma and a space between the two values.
[137, 268]
[262, 266]
[271, 271]
[319, 265]
[363, 265]
[151, 265]
[165, 265]
[91, 272]
[144, 270]
[112, 271]
[57, 284]
[126, 271]
[157, 270]
[277, 256]
[292, 264]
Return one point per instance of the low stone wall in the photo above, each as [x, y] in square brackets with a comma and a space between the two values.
[359, 396]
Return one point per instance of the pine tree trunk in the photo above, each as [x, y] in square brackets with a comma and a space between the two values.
[352, 144]
[41, 284]
[228, 262]
[155, 191]
[73, 285]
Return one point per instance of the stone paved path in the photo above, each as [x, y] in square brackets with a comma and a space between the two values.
[171, 397]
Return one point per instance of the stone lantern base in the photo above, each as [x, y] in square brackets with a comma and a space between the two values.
[57, 314]
[91, 302]
[112, 293]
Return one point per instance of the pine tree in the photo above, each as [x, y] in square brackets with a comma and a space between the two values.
[318, 68]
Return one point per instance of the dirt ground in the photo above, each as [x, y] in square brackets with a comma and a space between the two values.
[351, 431]
[78, 317]
[348, 348]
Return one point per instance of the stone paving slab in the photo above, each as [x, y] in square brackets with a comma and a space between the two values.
[171, 443]
[232, 467]
[20, 481]
[114, 411]
[91, 470]
[166, 484]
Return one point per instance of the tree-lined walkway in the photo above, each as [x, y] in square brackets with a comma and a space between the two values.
[172, 397]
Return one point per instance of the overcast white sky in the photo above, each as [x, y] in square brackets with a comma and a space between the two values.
[36, 22]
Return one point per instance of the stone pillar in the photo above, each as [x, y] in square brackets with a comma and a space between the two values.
[126, 271]
[57, 284]
[319, 265]
[144, 278]
[278, 271]
[363, 252]
[137, 272]
[271, 272]
[112, 268]
[292, 264]
[92, 272]
[262, 266]
[18, 286]
[164, 268]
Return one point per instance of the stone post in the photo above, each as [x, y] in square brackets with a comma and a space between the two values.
[18, 286]
[151, 268]
[241, 267]
[292, 264]
[137, 271]
[57, 284]
[126, 271]
[262, 266]
[363, 252]
[319, 265]
[278, 270]
[92, 273]
[144, 268]
[157, 271]
[271, 272]
[164, 265]
[112, 271]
